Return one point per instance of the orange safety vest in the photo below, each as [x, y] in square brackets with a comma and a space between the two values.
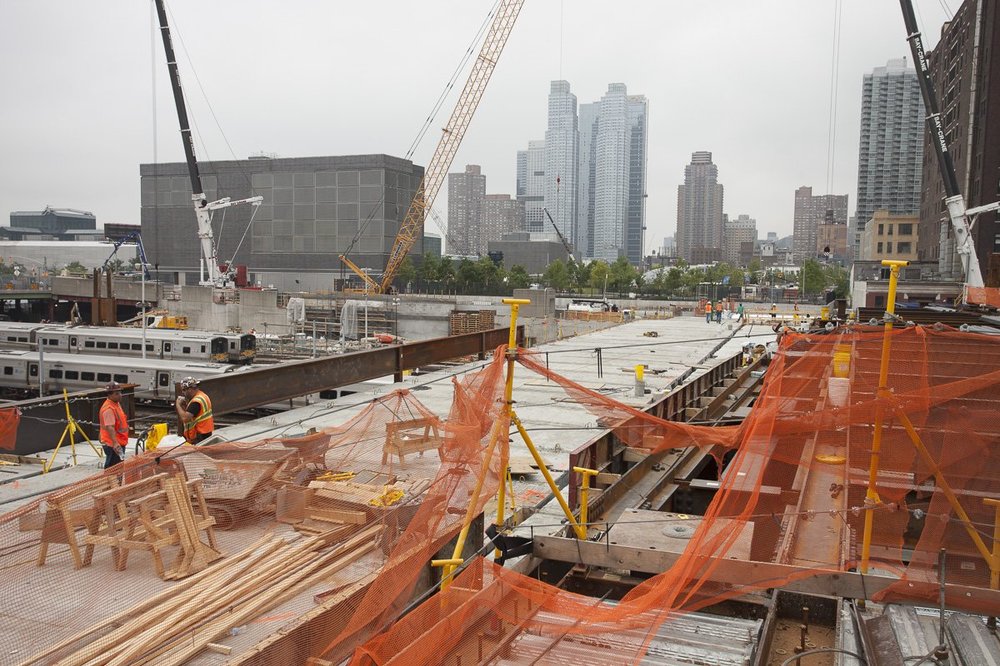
[708, 306]
[121, 424]
[203, 424]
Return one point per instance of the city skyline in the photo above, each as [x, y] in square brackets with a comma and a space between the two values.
[329, 106]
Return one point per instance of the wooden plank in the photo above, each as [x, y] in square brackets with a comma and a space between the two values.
[219, 648]
[337, 515]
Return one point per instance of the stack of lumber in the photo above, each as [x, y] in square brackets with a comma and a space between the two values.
[334, 507]
[177, 624]
[461, 322]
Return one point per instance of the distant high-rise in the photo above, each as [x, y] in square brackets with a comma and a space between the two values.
[810, 212]
[562, 142]
[466, 192]
[742, 229]
[611, 174]
[966, 75]
[531, 185]
[501, 215]
[699, 211]
[635, 222]
[587, 177]
[891, 146]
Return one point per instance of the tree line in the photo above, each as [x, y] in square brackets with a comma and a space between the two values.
[485, 277]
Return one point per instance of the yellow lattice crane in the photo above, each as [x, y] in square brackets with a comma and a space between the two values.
[444, 154]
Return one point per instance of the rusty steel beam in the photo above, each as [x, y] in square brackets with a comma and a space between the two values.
[263, 386]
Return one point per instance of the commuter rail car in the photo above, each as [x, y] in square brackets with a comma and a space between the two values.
[155, 378]
[182, 345]
[241, 347]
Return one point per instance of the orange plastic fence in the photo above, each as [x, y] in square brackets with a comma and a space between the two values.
[9, 421]
[395, 475]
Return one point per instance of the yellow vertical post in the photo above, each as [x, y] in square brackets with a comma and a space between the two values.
[508, 395]
[995, 564]
[871, 495]
[456, 559]
[585, 489]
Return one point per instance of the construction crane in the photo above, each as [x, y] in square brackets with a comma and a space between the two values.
[210, 273]
[569, 248]
[954, 200]
[444, 154]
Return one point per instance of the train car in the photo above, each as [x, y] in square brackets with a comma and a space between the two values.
[18, 335]
[155, 378]
[167, 345]
[241, 347]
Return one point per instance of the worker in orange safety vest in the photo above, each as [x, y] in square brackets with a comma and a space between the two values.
[114, 426]
[194, 409]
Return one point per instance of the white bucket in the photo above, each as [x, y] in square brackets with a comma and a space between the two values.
[838, 390]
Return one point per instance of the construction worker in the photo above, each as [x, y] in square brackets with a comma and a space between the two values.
[114, 426]
[708, 312]
[718, 311]
[774, 310]
[194, 409]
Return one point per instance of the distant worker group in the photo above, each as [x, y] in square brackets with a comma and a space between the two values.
[716, 310]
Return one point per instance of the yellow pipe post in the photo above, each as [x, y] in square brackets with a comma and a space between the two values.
[463, 535]
[585, 489]
[871, 496]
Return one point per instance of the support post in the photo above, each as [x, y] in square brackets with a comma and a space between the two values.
[872, 498]
[584, 491]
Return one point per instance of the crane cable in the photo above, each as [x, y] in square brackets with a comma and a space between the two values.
[831, 146]
[429, 120]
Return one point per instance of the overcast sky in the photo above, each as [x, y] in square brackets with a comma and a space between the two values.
[749, 80]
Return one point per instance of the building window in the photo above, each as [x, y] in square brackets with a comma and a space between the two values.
[906, 230]
[890, 228]
[903, 248]
[881, 229]
[878, 250]
[888, 247]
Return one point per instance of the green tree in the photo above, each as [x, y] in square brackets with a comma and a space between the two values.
[622, 275]
[599, 275]
[76, 267]
[813, 278]
[428, 270]
[407, 273]
[583, 275]
[518, 278]
[487, 274]
[466, 275]
[557, 275]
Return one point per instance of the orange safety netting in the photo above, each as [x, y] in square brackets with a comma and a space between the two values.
[983, 296]
[10, 419]
[319, 539]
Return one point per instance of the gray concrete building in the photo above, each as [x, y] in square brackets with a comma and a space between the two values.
[533, 255]
[811, 211]
[432, 244]
[890, 152]
[699, 211]
[466, 192]
[314, 209]
[611, 187]
[65, 224]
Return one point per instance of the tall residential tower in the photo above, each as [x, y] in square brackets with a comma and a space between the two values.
[562, 142]
[891, 146]
[699, 211]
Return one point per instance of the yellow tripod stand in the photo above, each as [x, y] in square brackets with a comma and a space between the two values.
[72, 427]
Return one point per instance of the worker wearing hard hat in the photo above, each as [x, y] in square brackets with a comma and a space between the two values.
[114, 426]
[194, 409]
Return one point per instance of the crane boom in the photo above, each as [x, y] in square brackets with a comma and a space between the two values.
[569, 248]
[451, 138]
[954, 201]
[209, 270]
